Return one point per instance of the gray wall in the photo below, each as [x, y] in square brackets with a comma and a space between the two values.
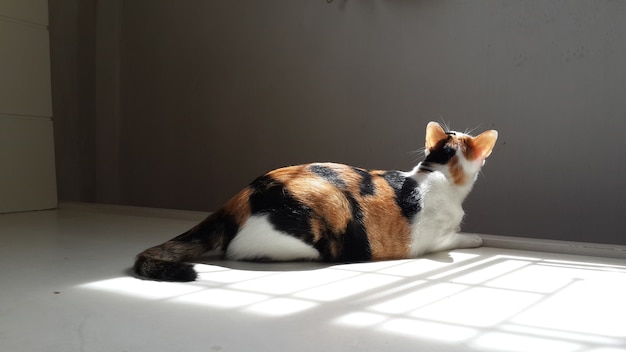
[193, 99]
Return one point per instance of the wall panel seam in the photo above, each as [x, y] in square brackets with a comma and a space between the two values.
[23, 22]
[24, 116]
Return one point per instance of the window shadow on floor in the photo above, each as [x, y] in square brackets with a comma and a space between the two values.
[485, 299]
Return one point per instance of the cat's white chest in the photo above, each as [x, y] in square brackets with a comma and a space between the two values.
[440, 216]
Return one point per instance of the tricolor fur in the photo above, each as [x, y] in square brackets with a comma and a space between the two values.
[337, 213]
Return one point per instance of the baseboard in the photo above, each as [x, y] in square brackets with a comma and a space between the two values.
[495, 241]
[135, 211]
[555, 246]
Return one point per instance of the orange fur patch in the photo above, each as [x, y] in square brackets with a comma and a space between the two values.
[459, 176]
[388, 230]
[326, 201]
[316, 229]
[480, 146]
[239, 206]
[468, 149]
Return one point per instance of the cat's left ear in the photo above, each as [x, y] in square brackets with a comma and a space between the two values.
[483, 143]
[434, 133]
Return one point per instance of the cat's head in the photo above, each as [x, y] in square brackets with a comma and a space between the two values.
[458, 155]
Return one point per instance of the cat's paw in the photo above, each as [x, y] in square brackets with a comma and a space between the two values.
[469, 241]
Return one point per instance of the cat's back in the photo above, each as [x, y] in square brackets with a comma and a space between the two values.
[347, 213]
[320, 182]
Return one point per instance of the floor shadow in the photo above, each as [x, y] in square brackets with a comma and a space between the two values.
[218, 259]
[442, 257]
[270, 266]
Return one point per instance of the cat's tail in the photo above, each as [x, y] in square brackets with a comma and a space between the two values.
[171, 261]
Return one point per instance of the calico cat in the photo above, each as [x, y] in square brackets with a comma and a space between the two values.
[337, 213]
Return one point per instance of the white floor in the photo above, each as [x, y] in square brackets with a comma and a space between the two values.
[65, 286]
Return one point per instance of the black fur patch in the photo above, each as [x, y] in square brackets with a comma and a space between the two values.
[352, 245]
[217, 223]
[356, 245]
[366, 187]
[328, 174]
[284, 212]
[426, 166]
[441, 153]
[407, 194]
[292, 217]
[164, 271]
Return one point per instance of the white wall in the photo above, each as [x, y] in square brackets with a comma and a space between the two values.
[27, 176]
[213, 93]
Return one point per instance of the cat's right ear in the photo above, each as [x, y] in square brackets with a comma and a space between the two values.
[483, 143]
[434, 134]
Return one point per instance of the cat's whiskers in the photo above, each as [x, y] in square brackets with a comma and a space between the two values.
[446, 125]
[419, 154]
[471, 130]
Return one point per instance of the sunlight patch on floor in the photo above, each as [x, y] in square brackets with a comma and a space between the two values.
[429, 330]
[498, 302]
[511, 304]
[416, 298]
[477, 306]
[142, 288]
[490, 270]
[361, 319]
[603, 312]
[347, 287]
[277, 307]
[222, 298]
[293, 281]
[559, 335]
[507, 342]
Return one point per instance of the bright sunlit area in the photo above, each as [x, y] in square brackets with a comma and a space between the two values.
[74, 292]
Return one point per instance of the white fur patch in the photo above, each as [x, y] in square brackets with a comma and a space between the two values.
[436, 225]
[258, 239]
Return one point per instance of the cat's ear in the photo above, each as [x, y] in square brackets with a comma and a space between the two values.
[483, 143]
[434, 133]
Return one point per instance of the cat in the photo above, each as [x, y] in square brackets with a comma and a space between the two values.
[337, 213]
